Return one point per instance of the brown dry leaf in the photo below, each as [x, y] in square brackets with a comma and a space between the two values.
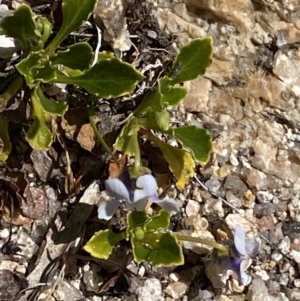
[116, 168]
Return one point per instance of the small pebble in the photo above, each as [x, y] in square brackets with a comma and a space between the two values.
[276, 256]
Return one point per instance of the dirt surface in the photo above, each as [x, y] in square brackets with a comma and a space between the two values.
[248, 100]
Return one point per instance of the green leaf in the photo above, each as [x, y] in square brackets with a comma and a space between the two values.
[12, 89]
[43, 72]
[140, 250]
[135, 219]
[36, 69]
[104, 55]
[108, 78]
[180, 162]
[78, 56]
[45, 28]
[74, 13]
[50, 106]
[164, 95]
[158, 222]
[127, 141]
[151, 103]
[168, 252]
[192, 60]
[5, 148]
[102, 243]
[26, 65]
[195, 139]
[171, 96]
[38, 135]
[162, 119]
[21, 25]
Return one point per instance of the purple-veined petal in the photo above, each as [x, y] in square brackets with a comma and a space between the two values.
[252, 247]
[116, 189]
[167, 204]
[107, 209]
[237, 265]
[240, 240]
[139, 205]
[146, 186]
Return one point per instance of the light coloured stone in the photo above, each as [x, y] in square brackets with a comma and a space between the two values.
[112, 13]
[295, 255]
[198, 247]
[7, 47]
[250, 229]
[192, 208]
[198, 94]
[176, 289]
[150, 291]
[173, 24]
[287, 69]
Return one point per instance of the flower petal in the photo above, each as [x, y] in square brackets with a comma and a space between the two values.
[116, 188]
[244, 278]
[139, 205]
[167, 204]
[238, 267]
[146, 187]
[240, 240]
[107, 209]
[252, 247]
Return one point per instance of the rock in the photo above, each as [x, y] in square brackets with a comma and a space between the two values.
[198, 94]
[220, 72]
[176, 25]
[233, 11]
[295, 255]
[266, 209]
[287, 69]
[261, 273]
[213, 209]
[264, 196]
[8, 47]
[284, 245]
[265, 223]
[233, 200]
[150, 291]
[294, 209]
[205, 294]
[192, 208]
[236, 185]
[232, 220]
[256, 179]
[92, 281]
[257, 291]
[293, 294]
[65, 291]
[217, 272]
[176, 289]
[111, 15]
[28, 247]
[198, 247]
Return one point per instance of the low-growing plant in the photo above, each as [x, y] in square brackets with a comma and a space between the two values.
[107, 77]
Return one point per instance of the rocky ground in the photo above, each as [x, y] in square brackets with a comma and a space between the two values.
[249, 102]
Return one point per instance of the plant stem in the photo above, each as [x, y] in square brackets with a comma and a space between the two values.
[136, 170]
[222, 248]
[93, 125]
